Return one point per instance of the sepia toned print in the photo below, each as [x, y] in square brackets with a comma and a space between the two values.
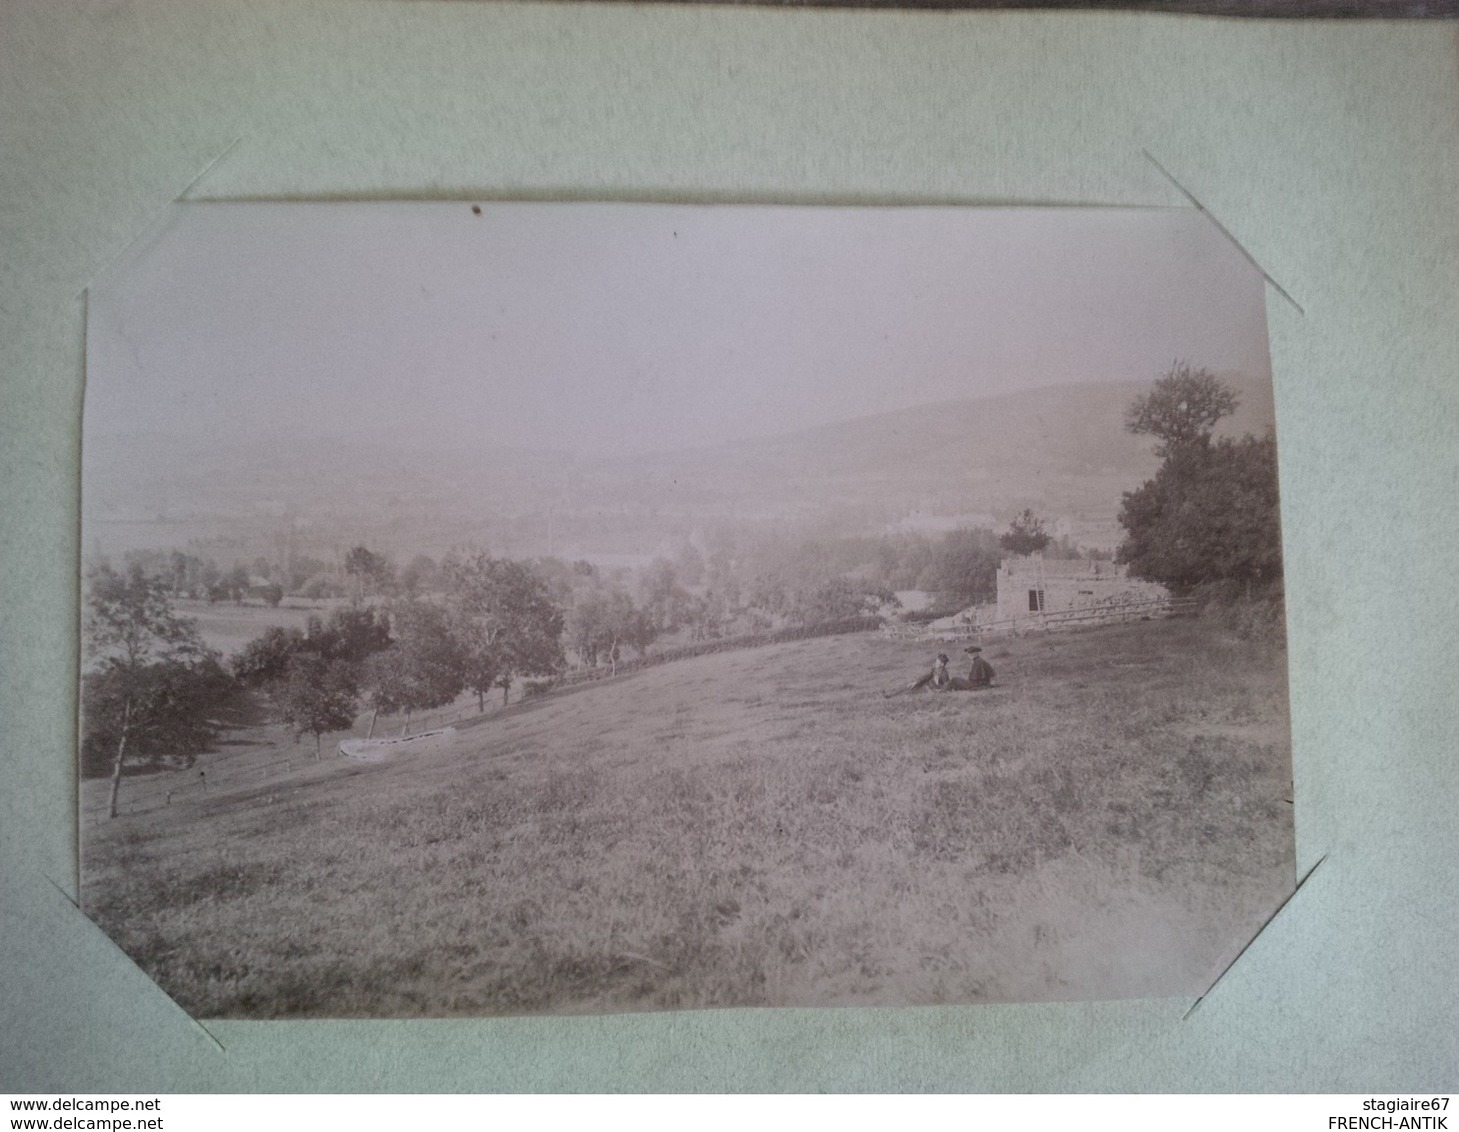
[559, 608]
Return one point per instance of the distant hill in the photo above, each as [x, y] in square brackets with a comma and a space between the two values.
[1071, 430]
[1061, 450]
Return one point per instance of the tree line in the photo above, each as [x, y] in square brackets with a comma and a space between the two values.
[361, 572]
[153, 691]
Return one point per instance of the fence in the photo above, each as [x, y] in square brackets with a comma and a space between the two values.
[1107, 613]
[141, 794]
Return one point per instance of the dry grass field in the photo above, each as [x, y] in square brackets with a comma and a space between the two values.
[750, 828]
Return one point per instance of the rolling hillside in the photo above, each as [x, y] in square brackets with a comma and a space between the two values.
[751, 828]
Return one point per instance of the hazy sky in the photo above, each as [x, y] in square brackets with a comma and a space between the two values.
[611, 328]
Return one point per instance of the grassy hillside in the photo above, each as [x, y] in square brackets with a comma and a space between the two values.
[760, 827]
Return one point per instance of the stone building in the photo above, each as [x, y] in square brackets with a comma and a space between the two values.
[1033, 590]
[1030, 586]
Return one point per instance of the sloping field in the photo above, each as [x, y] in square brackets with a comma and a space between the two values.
[758, 828]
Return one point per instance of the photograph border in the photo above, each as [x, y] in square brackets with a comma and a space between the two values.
[1120, 248]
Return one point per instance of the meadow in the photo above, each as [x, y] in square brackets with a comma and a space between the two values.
[227, 626]
[755, 828]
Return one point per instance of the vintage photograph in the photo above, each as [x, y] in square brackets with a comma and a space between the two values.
[540, 608]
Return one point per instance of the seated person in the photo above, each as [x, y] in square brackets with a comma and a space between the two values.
[981, 674]
[937, 679]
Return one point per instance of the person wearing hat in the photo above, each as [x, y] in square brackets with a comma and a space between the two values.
[981, 674]
[939, 678]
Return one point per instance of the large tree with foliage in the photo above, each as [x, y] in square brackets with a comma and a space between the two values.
[158, 711]
[313, 677]
[1210, 515]
[1181, 409]
[505, 620]
[425, 666]
[265, 659]
[348, 635]
[153, 682]
[317, 696]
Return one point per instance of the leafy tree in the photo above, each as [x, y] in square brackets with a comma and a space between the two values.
[349, 634]
[385, 678]
[361, 562]
[330, 651]
[372, 572]
[317, 696]
[839, 599]
[157, 710]
[1181, 409]
[708, 615]
[424, 668]
[420, 575]
[505, 621]
[144, 656]
[603, 623]
[273, 593]
[966, 564]
[302, 569]
[585, 626]
[1211, 512]
[772, 592]
[1025, 535]
[178, 572]
[661, 597]
[1209, 515]
[236, 584]
[632, 628]
[265, 659]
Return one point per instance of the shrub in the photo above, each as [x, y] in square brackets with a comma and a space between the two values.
[1250, 614]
